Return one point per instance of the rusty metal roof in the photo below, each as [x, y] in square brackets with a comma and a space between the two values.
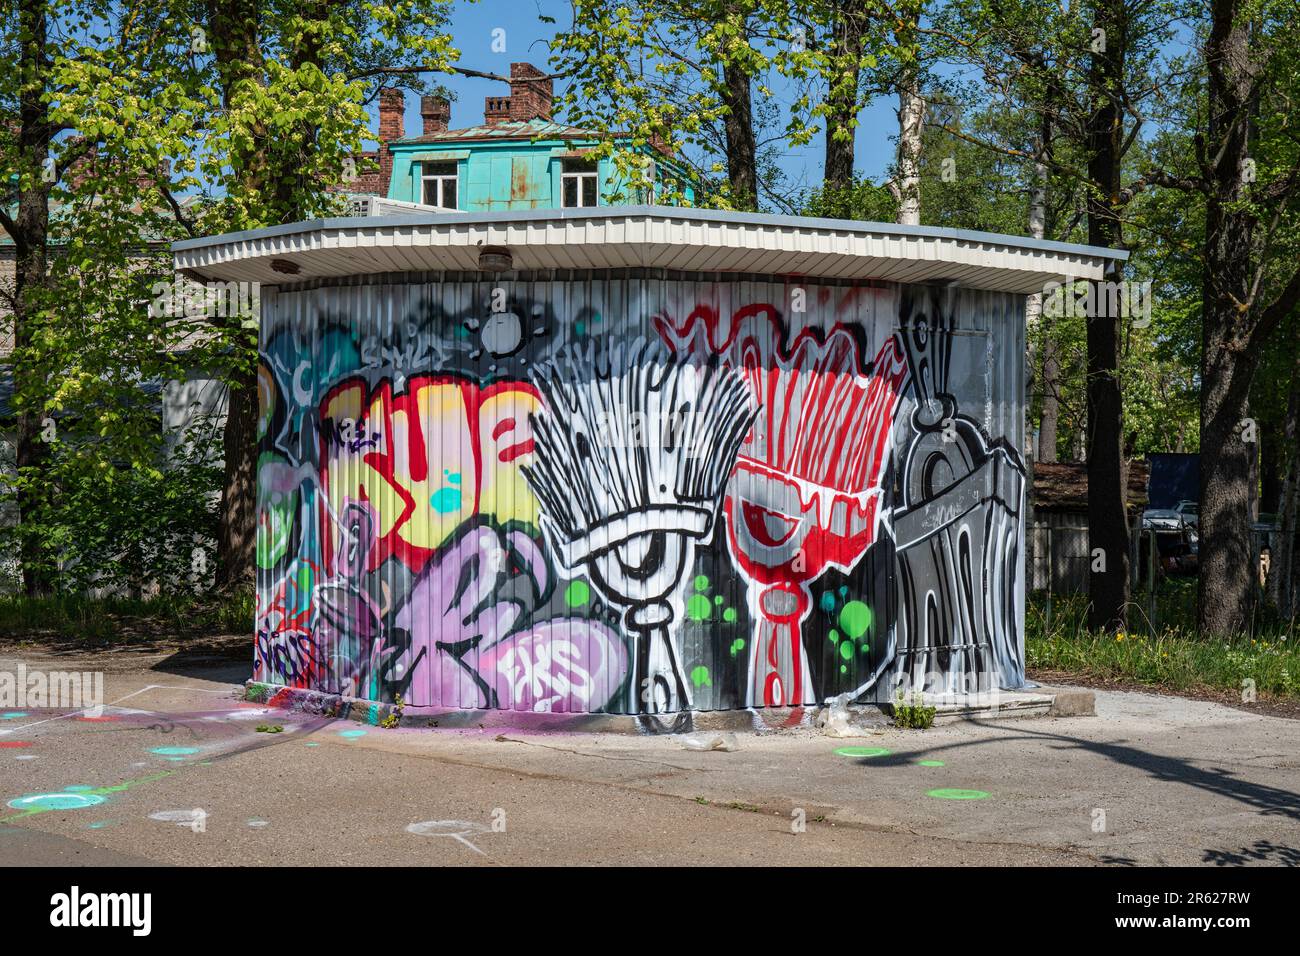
[1063, 485]
[492, 132]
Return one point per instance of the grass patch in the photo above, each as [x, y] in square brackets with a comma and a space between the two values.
[1171, 656]
[913, 713]
[124, 620]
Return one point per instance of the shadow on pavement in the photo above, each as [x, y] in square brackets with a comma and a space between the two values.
[1270, 801]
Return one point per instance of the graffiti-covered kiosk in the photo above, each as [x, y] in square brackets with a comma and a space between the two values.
[637, 460]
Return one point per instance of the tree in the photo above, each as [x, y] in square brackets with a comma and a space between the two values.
[200, 118]
[291, 81]
[1105, 134]
[1248, 170]
[30, 171]
[847, 25]
[85, 163]
[681, 77]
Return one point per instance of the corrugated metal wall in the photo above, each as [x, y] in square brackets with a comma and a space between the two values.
[637, 493]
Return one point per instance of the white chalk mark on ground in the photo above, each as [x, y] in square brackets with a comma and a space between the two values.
[458, 830]
[90, 711]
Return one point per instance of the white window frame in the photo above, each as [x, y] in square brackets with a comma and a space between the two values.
[579, 177]
[440, 181]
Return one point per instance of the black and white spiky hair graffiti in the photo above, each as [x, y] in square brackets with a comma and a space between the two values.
[632, 429]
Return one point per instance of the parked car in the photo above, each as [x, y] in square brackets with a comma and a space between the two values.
[1190, 510]
[1176, 541]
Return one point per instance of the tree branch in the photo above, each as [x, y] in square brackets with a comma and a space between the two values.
[20, 244]
[1281, 307]
[462, 70]
[185, 222]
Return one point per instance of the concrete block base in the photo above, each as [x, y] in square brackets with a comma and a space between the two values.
[863, 718]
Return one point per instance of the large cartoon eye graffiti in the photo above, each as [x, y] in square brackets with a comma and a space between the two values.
[633, 452]
[558, 526]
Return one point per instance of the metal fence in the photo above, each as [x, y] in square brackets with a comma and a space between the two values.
[1058, 563]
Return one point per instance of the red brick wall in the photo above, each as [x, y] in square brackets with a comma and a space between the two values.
[392, 125]
[435, 111]
[530, 93]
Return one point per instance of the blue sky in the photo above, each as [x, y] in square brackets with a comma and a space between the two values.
[526, 38]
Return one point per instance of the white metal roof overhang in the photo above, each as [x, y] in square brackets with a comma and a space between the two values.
[655, 237]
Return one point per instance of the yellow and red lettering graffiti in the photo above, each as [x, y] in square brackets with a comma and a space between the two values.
[428, 459]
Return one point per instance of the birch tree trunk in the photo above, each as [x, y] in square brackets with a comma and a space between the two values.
[911, 124]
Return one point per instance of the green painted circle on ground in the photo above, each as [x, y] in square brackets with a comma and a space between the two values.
[577, 593]
[729, 615]
[846, 650]
[863, 751]
[36, 802]
[855, 618]
[950, 794]
[701, 583]
[930, 763]
[698, 608]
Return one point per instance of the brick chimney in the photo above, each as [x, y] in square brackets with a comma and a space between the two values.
[392, 125]
[496, 109]
[436, 113]
[530, 93]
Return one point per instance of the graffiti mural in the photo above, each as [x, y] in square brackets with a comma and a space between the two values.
[806, 493]
[637, 493]
[633, 453]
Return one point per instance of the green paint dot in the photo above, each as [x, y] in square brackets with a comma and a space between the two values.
[945, 794]
[701, 583]
[737, 646]
[718, 600]
[844, 668]
[846, 650]
[698, 608]
[577, 594]
[862, 751]
[700, 677]
[930, 763]
[729, 615]
[855, 618]
[835, 637]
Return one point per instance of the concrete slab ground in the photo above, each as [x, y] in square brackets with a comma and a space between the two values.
[1148, 780]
